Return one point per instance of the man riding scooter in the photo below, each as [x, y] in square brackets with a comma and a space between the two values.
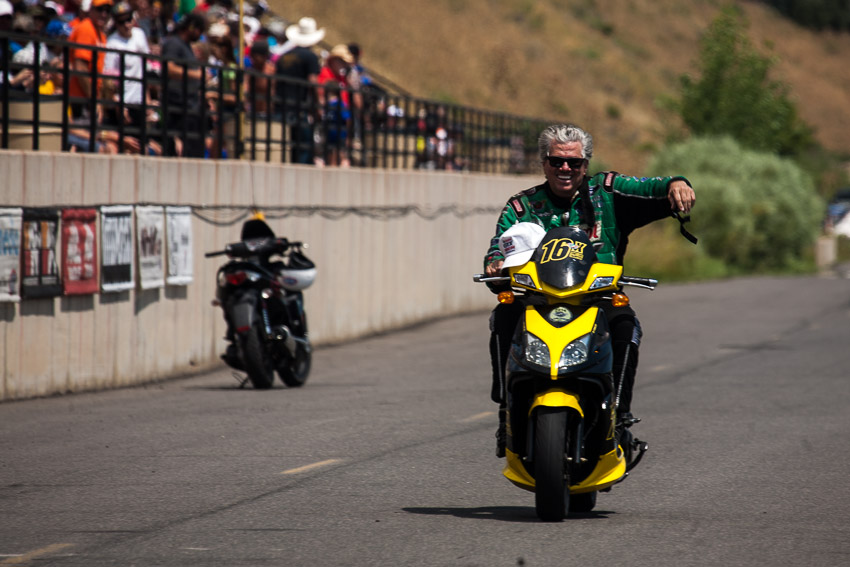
[608, 207]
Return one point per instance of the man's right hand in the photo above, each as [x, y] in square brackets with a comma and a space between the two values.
[494, 269]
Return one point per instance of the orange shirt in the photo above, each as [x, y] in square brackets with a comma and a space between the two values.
[85, 33]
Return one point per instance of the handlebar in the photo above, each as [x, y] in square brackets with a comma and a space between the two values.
[256, 247]
[481, 278]
[646, 283]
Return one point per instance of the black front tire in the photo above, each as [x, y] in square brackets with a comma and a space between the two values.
[551, 475]
[258, 364]
[294, 372]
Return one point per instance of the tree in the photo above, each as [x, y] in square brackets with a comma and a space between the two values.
[817, 14]
[735, 95]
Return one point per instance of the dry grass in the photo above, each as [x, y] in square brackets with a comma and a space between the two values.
[659, 251]
[605, 68]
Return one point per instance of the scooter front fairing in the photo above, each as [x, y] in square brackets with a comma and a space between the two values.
[575, 378]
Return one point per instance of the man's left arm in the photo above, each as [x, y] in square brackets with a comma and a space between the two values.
[639, 201]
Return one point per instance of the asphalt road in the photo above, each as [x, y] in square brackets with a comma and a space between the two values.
[386, 456]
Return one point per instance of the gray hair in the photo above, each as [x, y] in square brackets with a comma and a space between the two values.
[563, 133]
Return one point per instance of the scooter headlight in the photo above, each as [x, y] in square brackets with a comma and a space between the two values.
[536, 351]
[575, 353]
[524, 279]
[601, 282]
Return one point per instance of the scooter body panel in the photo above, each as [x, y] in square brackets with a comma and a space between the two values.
[557, 339]
[609, 469]
[580, 384]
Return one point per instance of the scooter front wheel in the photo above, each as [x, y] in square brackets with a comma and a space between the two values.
[551, 475]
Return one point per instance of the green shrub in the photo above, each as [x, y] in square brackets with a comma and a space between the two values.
[756, 212]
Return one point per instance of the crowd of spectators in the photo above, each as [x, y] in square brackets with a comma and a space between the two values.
[171, 70]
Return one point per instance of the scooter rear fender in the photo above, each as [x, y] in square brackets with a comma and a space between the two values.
[243, 311]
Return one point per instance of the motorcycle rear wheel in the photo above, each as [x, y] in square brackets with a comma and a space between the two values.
[551, 474]
[258, 364]
[294, 372]
[583, 503]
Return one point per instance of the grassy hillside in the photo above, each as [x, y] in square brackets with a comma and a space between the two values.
[605, 65]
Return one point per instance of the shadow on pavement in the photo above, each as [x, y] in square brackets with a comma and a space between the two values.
[500, 513]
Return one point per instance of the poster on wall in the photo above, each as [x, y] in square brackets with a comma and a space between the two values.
[179, 222]
[79, 251]
[39, 267]
[10, 253]
[116, 246]
[150, 239]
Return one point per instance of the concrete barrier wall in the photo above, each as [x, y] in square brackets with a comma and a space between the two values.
[392, 248]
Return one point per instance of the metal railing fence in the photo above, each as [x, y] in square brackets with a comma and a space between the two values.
[226, 112]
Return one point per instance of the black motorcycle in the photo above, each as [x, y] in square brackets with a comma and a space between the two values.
[264, 307]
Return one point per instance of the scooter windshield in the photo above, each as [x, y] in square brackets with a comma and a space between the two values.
[564, 257]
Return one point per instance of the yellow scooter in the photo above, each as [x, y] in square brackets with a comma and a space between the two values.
[563, 442]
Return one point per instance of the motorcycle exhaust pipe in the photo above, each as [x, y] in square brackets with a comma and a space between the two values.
[282, 334]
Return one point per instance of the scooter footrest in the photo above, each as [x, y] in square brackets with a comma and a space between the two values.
[639, 448]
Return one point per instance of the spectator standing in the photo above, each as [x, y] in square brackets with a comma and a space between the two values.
[145, 20]
[182, 99]
[7, 16]
[89, 31]
[39, 18]
[358, 81]
[58, 31]
[335, 104]
[31, 21]
[162, 21]
[222, 93]
[298, 64]
[259, 88]
[80, 14]
[356, 52]
[128, 38]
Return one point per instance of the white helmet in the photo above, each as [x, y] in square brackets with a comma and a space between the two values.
[299, 272]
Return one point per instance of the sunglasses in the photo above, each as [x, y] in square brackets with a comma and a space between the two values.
[123, 21]
[558, 162]
[102, 9]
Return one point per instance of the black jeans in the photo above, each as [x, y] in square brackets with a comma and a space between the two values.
[625, 336]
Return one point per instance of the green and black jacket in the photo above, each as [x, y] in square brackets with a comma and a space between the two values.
[620, 205]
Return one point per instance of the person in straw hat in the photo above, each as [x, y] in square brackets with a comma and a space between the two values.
[296, 101]
[335, 105]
